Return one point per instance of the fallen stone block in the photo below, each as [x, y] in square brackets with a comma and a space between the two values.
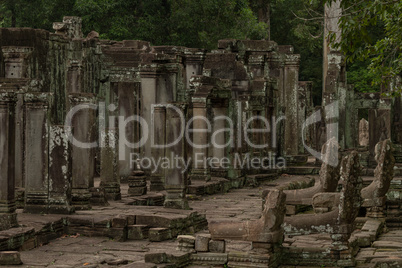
[119, 234]
[159, 234]
[10, 258]
[217, 246]
[202, 243]
[156, 258]
[139, 265]
[137, 232]
[189, 239]
[119, 222]
[210, 258]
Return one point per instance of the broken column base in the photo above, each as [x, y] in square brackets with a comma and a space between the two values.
[60, 207]
[375, 207]
[81, 199]
[20, 197]
[98, 196]
[375, 212]
[176, 199]
[157, 183]
[10, 258]
[137, 183]
[112, 191]
[8, 220]
[36, 203]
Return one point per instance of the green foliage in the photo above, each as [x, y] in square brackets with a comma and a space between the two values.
[384, 50]
[193, 23]
[362, 79]
[33, 13]
[202, 23]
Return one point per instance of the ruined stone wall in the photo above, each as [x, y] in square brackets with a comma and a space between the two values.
[242, 79]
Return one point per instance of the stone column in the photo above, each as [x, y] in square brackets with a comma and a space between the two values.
[234, 113]
[16, 66]
[175, 175]
[333, 13]
[36, 152]
[127, 95]
[8, 217]
[148, 97]
[303, 110]
[292, 130]
[200, 137]
[159, 138]
[74, 76]
[109, 170]
[59, 172]
[83, 164]
[219, 138]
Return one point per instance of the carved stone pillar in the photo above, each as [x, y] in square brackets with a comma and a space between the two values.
[74, 76]
[8, 217]
[109, 173]
[200, 140]
[175, 175]
[36, 152]
[83, 166]
[292, 133]
[159, 137]
[148, 97]
[59, 172]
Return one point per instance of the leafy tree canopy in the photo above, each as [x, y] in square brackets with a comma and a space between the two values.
[371, 30]
[192, 23]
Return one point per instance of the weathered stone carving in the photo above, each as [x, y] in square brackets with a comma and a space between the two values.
[59, 172]
[37, 152]
[159, 137]
[70, 27]
[8, 217]
[350, 200]
[338, 222]
[109, 173]
[267, 229]
[374, 195]
[363, 132]
[329, 176]
[137, 183]
[175, 175]
[83, 166]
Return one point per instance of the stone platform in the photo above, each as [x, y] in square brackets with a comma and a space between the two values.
[125, 235]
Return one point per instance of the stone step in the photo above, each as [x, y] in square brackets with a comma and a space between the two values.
[15, 238]
[150, 199]
[302, 170]
[215, 185]
[387, 245]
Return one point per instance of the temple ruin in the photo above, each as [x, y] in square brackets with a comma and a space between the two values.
[133, 142]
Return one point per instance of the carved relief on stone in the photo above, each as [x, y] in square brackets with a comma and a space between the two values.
[375, 193]
[363, 132]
